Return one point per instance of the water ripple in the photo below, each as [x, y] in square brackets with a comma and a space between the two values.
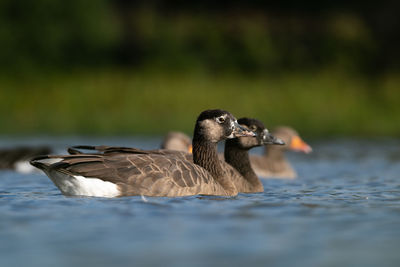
[343, 210]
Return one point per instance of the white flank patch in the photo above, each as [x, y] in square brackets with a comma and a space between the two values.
[83, 186]
[25, 167]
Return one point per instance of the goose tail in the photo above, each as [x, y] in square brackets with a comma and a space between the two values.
[39, 162]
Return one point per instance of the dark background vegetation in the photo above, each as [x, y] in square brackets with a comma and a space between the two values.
[146, 67]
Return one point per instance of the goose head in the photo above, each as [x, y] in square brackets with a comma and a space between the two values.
[177, 141]
[216, 125]
[263, 136]
[292, 140]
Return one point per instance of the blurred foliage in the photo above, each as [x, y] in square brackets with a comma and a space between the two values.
[132, 67]
[245, 36]
[122, 102]
[46, 34]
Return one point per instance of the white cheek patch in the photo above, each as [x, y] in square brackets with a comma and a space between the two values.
[233, 125]
[266, 132]
[232, 135]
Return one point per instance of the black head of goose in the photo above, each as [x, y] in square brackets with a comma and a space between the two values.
[150, 173]
[237, 154]
[273, 163]
[177, 141]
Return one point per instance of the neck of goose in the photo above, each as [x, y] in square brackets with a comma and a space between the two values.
[205, 155]
[274, 157]
[239, 158]
[274, 153]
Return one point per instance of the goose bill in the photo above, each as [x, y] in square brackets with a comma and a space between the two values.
[239, 131]
[297, 144]
[269, 139]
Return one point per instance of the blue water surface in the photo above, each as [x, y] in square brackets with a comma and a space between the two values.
[342, 210]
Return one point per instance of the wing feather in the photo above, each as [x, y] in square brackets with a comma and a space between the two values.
[160, 174]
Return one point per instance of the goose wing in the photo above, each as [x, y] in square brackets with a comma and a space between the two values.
[108, 150]
[138, 174]
[231, 172]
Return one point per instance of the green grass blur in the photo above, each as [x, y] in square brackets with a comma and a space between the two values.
[112, 67]
[121, 102]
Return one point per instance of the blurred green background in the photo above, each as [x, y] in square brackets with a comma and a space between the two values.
[122, 67]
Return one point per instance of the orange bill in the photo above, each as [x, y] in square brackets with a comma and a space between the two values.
[298, 144]
[190, 149]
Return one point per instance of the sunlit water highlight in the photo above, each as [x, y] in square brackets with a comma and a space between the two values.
[343, 210]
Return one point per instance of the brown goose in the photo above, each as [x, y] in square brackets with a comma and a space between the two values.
[237, 165]
[151, 173]
[273, 163]
[237, 155]
[17, 158]
[177, 141]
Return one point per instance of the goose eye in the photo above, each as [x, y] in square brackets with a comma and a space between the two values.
[221, 119]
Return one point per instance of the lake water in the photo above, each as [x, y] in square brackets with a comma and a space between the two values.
[342, 210]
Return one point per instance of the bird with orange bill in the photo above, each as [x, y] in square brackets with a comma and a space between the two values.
[273, 163]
